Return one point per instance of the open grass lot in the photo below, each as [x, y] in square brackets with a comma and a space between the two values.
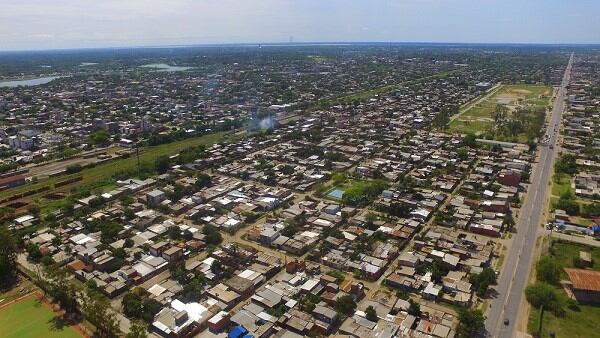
[468, 126]
[580, 321]
[564, 252]
[32, 319]
[562, 185]
[100, 175]
[476, 117]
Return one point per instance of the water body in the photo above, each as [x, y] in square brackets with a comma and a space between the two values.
[28, 82]
[163, 67]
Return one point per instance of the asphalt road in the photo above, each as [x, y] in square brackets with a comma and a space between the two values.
[513, 278]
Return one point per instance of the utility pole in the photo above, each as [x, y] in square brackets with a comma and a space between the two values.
[539, 332]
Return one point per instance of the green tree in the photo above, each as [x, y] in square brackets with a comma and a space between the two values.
[542, 294]
[471, 322]
[213, 236]
[96, 202]
[414, 308]
[548, 270]
[61, 289]
[566, 164]
[132, 305]
[470, 140]
[203, 180]
[483, 280]
[508, 221]
[568, 203]
[193, 290]
[8, 258]
[371, 314]
[137, 330]
[345, 305]
[161, 164]
[150, 307]
[96, 309]
[99, 137]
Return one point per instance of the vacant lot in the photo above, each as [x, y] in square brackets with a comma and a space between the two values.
[31, 318]
[477, 117]
[582, 322]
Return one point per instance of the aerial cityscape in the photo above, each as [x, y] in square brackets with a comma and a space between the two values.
[238, 187]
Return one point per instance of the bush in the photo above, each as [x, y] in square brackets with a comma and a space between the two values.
[568, 203]
[73, 168]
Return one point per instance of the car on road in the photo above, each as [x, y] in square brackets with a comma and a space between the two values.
[506, 321]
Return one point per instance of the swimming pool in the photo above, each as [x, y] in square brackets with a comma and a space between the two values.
[336, 193]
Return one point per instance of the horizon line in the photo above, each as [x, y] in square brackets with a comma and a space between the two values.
[299, 44]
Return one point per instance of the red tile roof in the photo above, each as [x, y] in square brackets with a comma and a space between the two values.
[588, 280]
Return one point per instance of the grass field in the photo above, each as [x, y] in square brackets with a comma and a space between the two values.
[32, 319]
[561, 186]
[564, 252]
[476, 117]
[579, 322]
[100, 175]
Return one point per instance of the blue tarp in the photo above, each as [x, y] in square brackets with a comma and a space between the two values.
[237, 332]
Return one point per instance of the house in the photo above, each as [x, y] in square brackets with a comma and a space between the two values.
[510, 178]
[173, 254]
[485, 229]
[585, 259]
[155, 197]
[495, 206]
[183, 319]
[325, 314]
[408, 259]
[224, 295]
[585, 285]
[431, 291]
[157, 249]
[219, 321]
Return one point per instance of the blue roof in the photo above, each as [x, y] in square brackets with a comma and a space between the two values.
[237, 332]
[248, 336]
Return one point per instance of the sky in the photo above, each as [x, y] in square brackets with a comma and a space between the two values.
[54, 24]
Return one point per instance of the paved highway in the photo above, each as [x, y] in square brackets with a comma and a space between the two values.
[513, 279]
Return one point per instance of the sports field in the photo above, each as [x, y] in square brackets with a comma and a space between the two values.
[31, 318]
[476, 116]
